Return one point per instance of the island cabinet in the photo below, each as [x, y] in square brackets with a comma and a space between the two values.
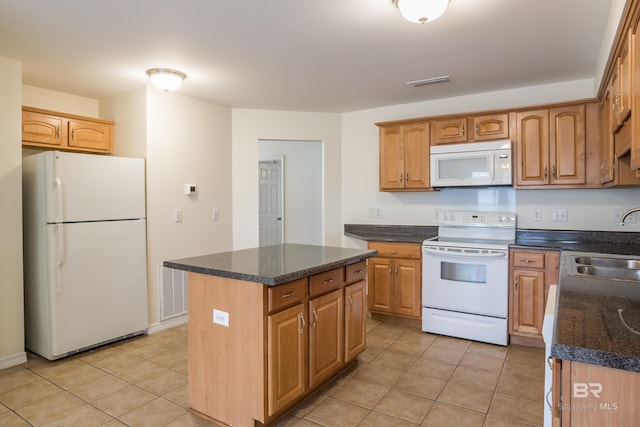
[470, 128]
[586, 395]
[531, 272]
[551, 146]
[48, 129]
[395, 279]
[404, 157]
[256, 350]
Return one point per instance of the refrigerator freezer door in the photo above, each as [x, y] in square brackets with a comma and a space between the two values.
[88, 187]
[98, 289]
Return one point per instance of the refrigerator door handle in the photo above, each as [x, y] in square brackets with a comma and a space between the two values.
[59, 212]
[59, 285]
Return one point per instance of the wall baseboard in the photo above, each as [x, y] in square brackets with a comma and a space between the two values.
[13, 360]
[168, 324]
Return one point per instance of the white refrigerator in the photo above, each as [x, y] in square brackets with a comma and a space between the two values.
[85, 266]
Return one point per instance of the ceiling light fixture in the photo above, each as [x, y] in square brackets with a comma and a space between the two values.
[431, 81]
[166, 79]
[421, 11]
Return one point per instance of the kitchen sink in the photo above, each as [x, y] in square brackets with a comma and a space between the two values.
[603, 266]
[631, 264]
[609, 273]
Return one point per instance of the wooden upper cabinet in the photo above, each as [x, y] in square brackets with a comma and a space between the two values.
[634, 48]
[624, 81]
[607, 157]
[42, 129]
[467, 129]
[404, 157]
[551, 146]
[491, 127]
[448, 131]
[532, 145]
[567, 145]
[49, 129]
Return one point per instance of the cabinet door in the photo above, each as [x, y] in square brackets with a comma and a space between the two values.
[449, 131]
[416, 156]
[326, 337]
[532, 147]
[527, 305]
[380, 286]
[635, 96]
[606, 143]
[90, 136]
[391, 158]
[354, 320]
[567, 145]
[286, 357]
[624, 80]
[43, 130]
[490, 127]
[407, 288]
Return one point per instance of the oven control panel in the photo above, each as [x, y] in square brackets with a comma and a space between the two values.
[477, 219]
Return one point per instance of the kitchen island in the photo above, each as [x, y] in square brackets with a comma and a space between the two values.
[270, 325]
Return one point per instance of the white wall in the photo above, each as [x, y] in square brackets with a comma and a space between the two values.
[302, 192]
[250, 126]
[588, 209]
[11, 282]
[59, 101]
[188, 141]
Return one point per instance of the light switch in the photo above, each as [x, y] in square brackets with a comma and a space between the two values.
[177, 215]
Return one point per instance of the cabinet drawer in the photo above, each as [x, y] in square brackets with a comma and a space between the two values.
[528, 259]
[325, 282]
[397, 250]
[285, 295]
[355, 272]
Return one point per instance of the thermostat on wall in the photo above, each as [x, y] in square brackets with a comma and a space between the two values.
[190, 189]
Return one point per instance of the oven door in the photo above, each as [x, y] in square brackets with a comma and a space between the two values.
[465, 280]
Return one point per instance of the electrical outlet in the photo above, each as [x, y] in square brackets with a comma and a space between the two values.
[221, 317]
[616, 214]
[536, 215]
[560, 215]
[375, 212]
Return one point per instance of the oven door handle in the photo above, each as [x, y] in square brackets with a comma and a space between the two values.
[493, 254]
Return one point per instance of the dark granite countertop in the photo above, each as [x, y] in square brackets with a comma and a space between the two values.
[590, 328]
[272, 265]
[391, 233]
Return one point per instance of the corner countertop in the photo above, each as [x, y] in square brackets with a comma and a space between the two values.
[272, 265]
[391, 233]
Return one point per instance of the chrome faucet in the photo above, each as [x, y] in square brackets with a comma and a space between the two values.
[627, 213]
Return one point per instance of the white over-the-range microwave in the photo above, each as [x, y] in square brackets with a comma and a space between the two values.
[471, 164]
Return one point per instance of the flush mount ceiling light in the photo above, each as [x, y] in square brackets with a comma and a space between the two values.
[166, 79]
[421, 11]
[431, 81]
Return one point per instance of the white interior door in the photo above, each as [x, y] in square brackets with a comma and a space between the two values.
[271, 204]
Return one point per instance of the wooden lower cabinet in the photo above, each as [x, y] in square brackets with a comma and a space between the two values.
[395, 279]
[594, 396]
[326, 329]
[286, 369]
[354, 319]
[530, 274]
[281, 343]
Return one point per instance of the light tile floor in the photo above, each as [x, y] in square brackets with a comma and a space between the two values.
[404, 378]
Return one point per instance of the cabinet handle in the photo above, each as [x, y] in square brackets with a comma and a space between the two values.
[545, 172]
[526, 261]
[546, 397]
[357, 272]
[326, 282]
[550, 361]
[394, 252]
[553, 171]
[477, 130]
[350, 302]
[57, 132]
[315, 317]
[302, 322]
[406, 177]
[401, 176]
[515, 285]
[462, 128]
[287, 295]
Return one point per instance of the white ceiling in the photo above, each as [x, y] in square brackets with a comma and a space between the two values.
[302, 55]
